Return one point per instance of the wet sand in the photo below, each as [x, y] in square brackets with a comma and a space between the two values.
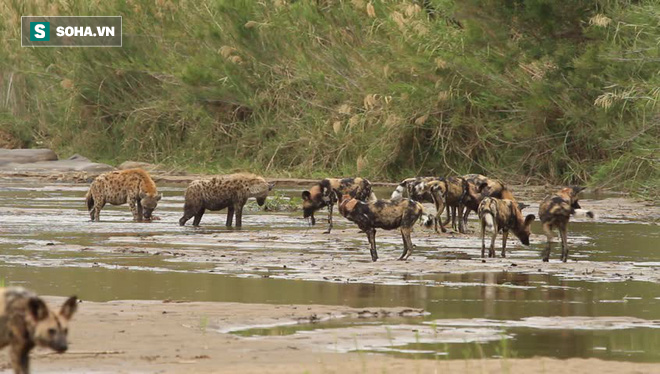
[158, 337]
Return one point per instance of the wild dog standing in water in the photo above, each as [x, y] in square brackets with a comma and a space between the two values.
[225, 191]
[324, 193]
[556, 211]
[26, 322]
[447, 194]
[384, 214]
[132, 186]
[502, 215]
[480, 186]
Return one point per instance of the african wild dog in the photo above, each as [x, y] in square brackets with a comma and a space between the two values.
[26, 322]
[481, 186]
[447, 194]
[324, 193]
[224, 191]
[132, 186]
[556, 211]
[384, 214]
[502, 215]
[409, 185]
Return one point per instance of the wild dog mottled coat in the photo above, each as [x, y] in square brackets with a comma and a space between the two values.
[410, 185]
[481, 186]
[132, 186]
[324, 193]
[224, 191]
[448, 194]
[555, 211]
[26, 322]
[502, 215]
[384, 214]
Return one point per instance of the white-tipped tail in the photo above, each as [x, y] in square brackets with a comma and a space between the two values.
[398, 193]
[372, 197]
[488, 219]
[583, 213]
[427, 219]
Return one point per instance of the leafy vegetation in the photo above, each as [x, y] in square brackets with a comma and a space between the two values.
[564, 91]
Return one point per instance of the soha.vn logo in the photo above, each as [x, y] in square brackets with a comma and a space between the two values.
[39, 31]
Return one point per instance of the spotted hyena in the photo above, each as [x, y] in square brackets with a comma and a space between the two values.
[555, 211]
[394, 214]
[503, 215]
[225, 191]
[26, 322]
[324, 193]
[132, 186]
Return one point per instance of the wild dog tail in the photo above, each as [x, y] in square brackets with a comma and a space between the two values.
[583, 213]
[398, 193]
[372, 197]
[90, 200]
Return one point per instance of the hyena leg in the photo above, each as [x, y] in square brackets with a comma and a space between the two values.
[505, 234]
[198, 217]
[563, 232]
[239, 215]
[329, 219]
[98, 205]
[371, 236]
[547, 228]
[134, 209]
[188, 213]
[139, 210]
[230, 215]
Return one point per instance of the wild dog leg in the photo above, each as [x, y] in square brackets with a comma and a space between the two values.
[329, 219]
[407, 244]
[491, 250]
[371, 235]
[564, 242]
[483, 239]
[461, 227]
[505, 234]
[439, 206]
[547, 228]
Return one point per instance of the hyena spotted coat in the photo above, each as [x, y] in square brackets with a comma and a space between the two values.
[384, 214]
[324, 193]
[555, 211]
[26, 322]
[502, 215]
[225, 191]
[132, 186]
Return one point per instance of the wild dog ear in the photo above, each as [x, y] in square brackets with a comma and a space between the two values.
[306, 195]
[529, 219]
[271, 185]
[577, 189]
[160, 196]
[69, 307]
[522, 206]
[37, 308]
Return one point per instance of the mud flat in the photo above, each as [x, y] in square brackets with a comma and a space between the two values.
[158, 337]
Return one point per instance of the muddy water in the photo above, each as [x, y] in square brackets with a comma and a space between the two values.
[47, 243]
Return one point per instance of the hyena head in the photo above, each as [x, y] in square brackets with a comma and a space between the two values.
[51, 328]
[149, 203]
[261, 198]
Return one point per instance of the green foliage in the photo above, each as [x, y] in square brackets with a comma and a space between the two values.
[564, 91]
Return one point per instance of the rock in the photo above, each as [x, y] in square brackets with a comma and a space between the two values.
[24, 156]
[137, 164]
[78, 157]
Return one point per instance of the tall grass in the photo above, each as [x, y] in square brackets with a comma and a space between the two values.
[563, 91]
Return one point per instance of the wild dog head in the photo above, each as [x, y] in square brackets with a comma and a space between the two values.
[522, 229]
[316, 198]
[50, 328]
[149, 203]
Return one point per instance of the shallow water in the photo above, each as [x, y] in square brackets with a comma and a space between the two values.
[48, 244]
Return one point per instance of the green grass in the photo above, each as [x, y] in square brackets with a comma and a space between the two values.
[527, 90]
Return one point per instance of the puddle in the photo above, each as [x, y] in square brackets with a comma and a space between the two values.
[512, 307]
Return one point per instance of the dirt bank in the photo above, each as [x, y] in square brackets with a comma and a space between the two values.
[157, 337]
